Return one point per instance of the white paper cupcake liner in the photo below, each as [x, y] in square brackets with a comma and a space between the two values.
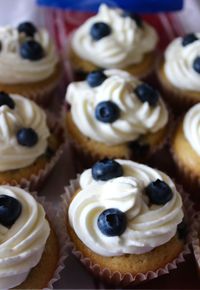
[56, 218]
[125, 279]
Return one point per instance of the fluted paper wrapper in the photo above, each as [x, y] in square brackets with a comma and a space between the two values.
[196, 241]
[35, 180]
[56, 217]
[118, 278]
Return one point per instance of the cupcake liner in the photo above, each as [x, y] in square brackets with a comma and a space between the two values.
[35, 180]
[178, 100]
[85, 158]
[56, 218]
[196, 240]
[126, 279]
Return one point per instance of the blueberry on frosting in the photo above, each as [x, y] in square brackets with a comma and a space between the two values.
[10, 210]
[147, 94]
[100, 30]
[106, 169]
[196, 64]
[96, 78]
[27, 137]
[27, 27]
[107, 112]
[159, 192]
[5, 99]
[189, 38]
[112, 222]
[31, 50]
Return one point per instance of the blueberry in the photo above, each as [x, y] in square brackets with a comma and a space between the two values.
[189, 38]
[196, 64]
[147, 94]
[106, 169]
[159, 192]
[112, 222]
[139, 149]
[27, 137]
[107, 112]
[28, 28]
[100, 30]
[182, 230]
[95, 78]
[5, 99]
[32, 50]
[10, 210]
[135, 17]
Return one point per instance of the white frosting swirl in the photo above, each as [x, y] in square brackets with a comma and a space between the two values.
[14, 69]
[178, 66]
[26, 114]
[126, 44]
[136, 118]
[148, 225]
[191, 127]
[22, 245]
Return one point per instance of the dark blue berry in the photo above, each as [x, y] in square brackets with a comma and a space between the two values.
[27, 137]
[182, 230]
[106, 169]
[10, 210]
[32, 50]
[28, 28]
[112, 222]
[96, 78]
[135, 17]
[5, 99]
[159, 192]
[189, 38]
[196, 64]
[107, 112]
[147, 94]
[139, 149]
[100, 30]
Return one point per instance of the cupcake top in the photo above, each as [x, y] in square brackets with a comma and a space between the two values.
[23, 234]
[27, 54]
[125, 207]
[191, 127]
[114, 39]
[23, 132]
[182, 62]
[113, 107]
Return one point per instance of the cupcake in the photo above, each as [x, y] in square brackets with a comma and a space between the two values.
[185, 146]
[28, 146]
[125, 221]
[29, 63]
[179, 71]
[27, 241]
[114, 115]
[114, 39]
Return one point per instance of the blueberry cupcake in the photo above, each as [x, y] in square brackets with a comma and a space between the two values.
[28, 145]
[126, 221]
[29, 63]
[114, 115]
[27, 241]
[185, 145]
[114, 39]
[179, 71]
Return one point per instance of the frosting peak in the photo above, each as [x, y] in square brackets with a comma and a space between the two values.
[136, 117]
[125, 45]
[148, 225]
